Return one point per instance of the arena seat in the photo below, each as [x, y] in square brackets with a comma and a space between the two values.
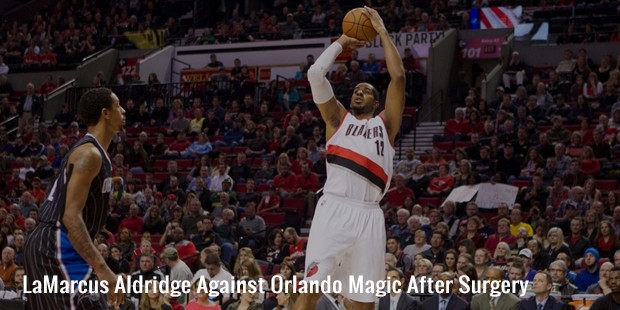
[521, 183]
[423, 201]
[606, 185]
[444, 146]
[273, 218]
[240, 188]
[185, 164]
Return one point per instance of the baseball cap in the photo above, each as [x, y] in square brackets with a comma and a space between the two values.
[227, 180]
[499, 88]
[261, 128]
[172, 197]
[508, 144]
[36, 179]
[74, 124]
[159, 195]
[171, 253]
[526, 252]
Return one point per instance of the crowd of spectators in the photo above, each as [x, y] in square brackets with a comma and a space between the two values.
[63, 32]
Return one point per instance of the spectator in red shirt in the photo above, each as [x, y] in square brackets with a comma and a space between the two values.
[503, 235]
[443, 183]
[308, 185]
[178, 145]
[185, 247]
[395, 197]
[269, 202]
[285, 181]
[133, 222]
[409, 61]
[456, 126]
[48, 86]
[296, 244]
[37, 192]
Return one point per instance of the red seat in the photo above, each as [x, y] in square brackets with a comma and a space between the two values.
[273, 218]
[185, 164]
[606, 185]
[160, 176]
[463, 144]
[160, 165]
[444, 146]
[225, 149]
[423, 201]
[295, 204]
[262, 187]
[240, 188]
[521, 183]
[16, 165]
[239, 149]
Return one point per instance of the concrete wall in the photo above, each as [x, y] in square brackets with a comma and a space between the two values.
[159, 62]
[441, 58]
[105, 62]
[19, 80]
[550, 55]
[55, 100]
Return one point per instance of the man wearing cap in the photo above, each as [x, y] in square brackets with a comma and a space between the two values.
[590, 275]
[179, 271]
[175, 189]
[36, 191]
[542, 286]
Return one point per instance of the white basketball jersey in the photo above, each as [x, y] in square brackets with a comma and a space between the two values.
[359, 160]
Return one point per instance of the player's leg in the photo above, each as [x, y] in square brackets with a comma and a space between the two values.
[329, 239]
[366, 258]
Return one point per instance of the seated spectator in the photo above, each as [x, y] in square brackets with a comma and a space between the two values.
[514, 71]
[457, 126]
[602, 285]
[593, 88]
[503, 235]
[443, 183]
[252, 227]
[590, 275]
[588, 163]
[516, 222]
[133, 222]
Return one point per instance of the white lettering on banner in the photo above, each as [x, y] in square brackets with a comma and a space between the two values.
[419, 42]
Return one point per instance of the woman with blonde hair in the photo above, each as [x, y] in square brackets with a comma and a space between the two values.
[555, 237]
[152, 299]
[250, 269]
[589, 164]
[244, 253]
[501, 255]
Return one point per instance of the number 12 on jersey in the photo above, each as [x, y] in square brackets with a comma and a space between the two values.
[380, 146]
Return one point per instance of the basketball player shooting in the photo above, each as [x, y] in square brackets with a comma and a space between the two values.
[347, 237]
[76, 210]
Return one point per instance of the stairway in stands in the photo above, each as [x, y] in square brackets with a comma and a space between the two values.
[424, 143]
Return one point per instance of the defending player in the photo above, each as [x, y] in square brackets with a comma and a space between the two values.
[76, 210]
[347, 237]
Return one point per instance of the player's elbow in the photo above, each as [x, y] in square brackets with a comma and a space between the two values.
[315, 74]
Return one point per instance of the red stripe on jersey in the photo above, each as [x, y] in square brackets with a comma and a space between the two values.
[359, 159]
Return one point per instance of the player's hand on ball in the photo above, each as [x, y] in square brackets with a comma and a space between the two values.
[348, 42]
[375, 18]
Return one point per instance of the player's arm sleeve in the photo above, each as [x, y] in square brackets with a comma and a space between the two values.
[321, 89]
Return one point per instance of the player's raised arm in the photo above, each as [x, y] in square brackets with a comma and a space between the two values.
[322, 92]
[395, 99]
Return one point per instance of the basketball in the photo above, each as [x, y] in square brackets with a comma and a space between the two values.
[356, 25]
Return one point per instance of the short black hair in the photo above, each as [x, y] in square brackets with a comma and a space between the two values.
[91, 103]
